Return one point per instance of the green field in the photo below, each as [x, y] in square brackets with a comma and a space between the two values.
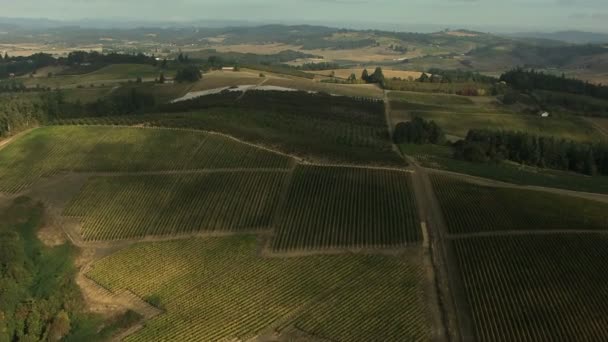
[49, 150]
[109, 74]
[354, 90]
[536, 288]
[459, 124]
[331, 207]
[441, 157]
[470, 208]
[218, 289]
[122, 207]
[322, 128]
[456, 115]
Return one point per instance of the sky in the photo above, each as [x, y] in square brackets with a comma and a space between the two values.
[487, 15]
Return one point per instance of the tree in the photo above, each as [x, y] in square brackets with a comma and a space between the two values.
[188, 74]
[161, 79]
[418, 131]
[163, 64]
[423, 78]
[365, 75]
[138, 79]
[377, 76]
[352, 78]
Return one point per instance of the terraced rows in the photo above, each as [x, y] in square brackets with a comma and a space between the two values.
[470, 208]
[537, 288]
[124, 207]
[49, 150]
[217, 288]
[333, 207]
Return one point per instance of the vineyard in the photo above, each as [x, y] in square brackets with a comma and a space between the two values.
[122, 207]
[323, 127]
[218, 289]
[470, 208]
[50, 150]
[536, 288]
[333, 207]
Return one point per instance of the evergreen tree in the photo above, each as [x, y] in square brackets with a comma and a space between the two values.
[365, 75]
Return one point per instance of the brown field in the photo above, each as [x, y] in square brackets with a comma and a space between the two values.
[24, 50]
[601, 124]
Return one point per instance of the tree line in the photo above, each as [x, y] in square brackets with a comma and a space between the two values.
[26, 65]
[528, 149]
[528, 80]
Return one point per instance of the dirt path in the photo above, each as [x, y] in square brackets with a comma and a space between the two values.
[261, 83]
[525, 232]
[10, 139]
[449, 287]
[495, 183]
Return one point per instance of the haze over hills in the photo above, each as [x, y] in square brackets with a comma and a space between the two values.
[574, 37]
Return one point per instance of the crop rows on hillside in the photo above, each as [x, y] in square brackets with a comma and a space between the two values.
[47, 151]
[333, 207]
[319, 126]
[218, 289]
[536, 288]
[470, 208]
[134, 206]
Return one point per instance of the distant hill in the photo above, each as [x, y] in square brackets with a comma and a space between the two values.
[574, 37]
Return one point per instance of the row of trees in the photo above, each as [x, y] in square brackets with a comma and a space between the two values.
[455, 76]
[27, 65]
[524, 148]
[528, 80]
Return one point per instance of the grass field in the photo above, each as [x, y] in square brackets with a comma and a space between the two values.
[109, 74]
[347, 208]
[569, 128]
[49, 150]
[441, 157]
[536, 288]
[456, 115]
[218, 289]
[122, 207]
[353, 90]
[470, 208]
[220, 79]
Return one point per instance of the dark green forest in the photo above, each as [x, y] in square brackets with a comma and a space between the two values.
[39, 298]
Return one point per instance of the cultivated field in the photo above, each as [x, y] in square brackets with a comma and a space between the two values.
[109, 74]
[49, 150]
[536, 288]
[123, 207]
[471, 208]
[354, 90]
[218, 289]
[322, 128]
[331, 207]
[221, 79]
[442, 157]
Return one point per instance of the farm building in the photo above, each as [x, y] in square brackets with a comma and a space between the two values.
[228, 69]
[544, 114]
